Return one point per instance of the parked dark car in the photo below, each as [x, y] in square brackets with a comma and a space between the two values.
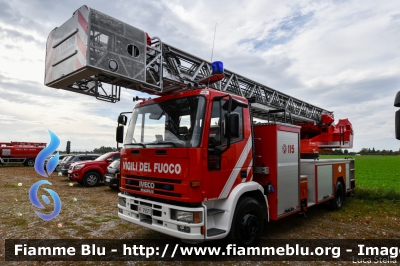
[112, 175]
[76, 158]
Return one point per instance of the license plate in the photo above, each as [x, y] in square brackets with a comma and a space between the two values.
[69, 175]
[107, 179]
[144, 210]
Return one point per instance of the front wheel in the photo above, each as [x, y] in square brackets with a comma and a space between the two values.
[247, 224]
[337, 202]
[91, 179]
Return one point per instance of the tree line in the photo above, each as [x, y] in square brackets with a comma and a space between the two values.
[363, 151]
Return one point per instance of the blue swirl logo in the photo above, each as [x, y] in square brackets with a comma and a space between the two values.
[50, 166]
[43, 154]
[35, 201]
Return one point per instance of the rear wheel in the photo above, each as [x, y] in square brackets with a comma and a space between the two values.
[247, 224]
[30, 162]
[91, 179]
[337, 202]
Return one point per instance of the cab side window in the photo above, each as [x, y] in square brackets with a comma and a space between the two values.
[238, 110]
[216, 135]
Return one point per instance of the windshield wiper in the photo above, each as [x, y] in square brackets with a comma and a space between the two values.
[162, 142]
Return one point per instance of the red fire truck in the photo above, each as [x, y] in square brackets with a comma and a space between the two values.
[20, 152]
[397, 115]
[217, 154]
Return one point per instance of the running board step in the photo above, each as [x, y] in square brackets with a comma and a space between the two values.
[214, 211]
[215, 231]
[146, 220]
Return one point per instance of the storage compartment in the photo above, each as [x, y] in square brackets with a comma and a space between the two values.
[277, 147]
[323, 175]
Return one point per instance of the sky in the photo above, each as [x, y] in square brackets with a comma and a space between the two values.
[343, 56]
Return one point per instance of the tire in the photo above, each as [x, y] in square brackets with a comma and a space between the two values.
[247, 223]
[30, 162]
[116, 188]
[91, 179]
[58, 168]
[337, 202]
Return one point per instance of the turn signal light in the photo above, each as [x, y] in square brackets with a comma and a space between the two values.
[195, 183]
[197, 217]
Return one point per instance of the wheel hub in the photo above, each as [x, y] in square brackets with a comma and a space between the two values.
[339, 200]
[249, 226]
[91, 180]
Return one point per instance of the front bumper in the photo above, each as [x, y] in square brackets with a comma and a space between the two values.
[111, 181]
[64, 172]
[74, 175]
[160, 218]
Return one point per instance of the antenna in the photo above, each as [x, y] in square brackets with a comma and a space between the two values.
[212, 51]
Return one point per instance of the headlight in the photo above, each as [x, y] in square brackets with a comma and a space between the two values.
[185, 216]
[79, 166]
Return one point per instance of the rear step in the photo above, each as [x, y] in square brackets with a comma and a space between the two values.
[215, 231]
[214, 211]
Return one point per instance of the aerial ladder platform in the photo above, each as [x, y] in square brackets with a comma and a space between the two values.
[97, 55]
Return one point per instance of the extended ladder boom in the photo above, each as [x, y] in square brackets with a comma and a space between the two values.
[92, 49]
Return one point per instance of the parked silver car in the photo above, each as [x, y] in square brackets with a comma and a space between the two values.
[60, 158]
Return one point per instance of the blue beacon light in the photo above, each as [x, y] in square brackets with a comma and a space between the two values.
[217, 67]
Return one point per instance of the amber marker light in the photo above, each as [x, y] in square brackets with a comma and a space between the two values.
[197, 217]
[195, 183]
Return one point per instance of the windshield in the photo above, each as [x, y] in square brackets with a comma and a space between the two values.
[174, 123]
[103, 157]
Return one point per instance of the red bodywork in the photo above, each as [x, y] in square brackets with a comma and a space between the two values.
[326, 136]
[99, 167]
[16, 149]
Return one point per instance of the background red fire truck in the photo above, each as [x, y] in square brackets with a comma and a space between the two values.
[217, 154]
[20, 152]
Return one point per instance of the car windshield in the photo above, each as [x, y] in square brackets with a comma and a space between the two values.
[173, 123]
[114, 164]
[103, 157]
[66, 159]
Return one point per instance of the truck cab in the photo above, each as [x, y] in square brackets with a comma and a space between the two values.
[194, 148]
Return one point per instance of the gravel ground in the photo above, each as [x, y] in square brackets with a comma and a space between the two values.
[91, 213]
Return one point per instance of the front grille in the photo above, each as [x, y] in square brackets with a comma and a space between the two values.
[154, 192]
[152, 185]
[156, 185]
